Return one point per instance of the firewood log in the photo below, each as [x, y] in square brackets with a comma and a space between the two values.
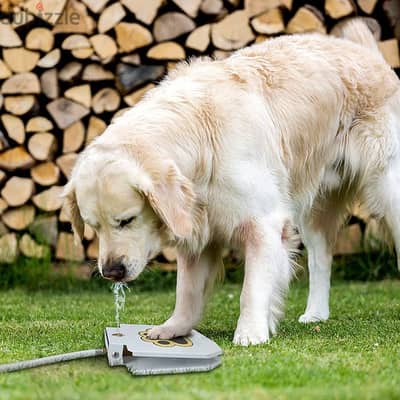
[66, 162]
[39, 124]
[23, 83]
[144, 10]
[106, 100]
[40, 39]
[73, 137]
[19, 105]
[212, 6]
[104, 46]
[390, 51]
[167, 51]
[306, 19]
[232, 32]
[45, 174]
[49, 199]
[96, 5]
[110, 17]
[19, 218]
[80, 94]
[49, 83]
[8, 248]
[367, 6]
[15, 158]
[19, 59]
[29, 248]
[269, 23]
[82, 54]
[76, 41]
[65, 112]
[42, 145]
[131, 77]
[190, 7]
[70, 71]
[132, 36]
[8, 36]
[95, 73]
[171, 25]
[96, 127]
[339, 8]
[17, 191]
[50, 60]
[14, 127]
[199, 39]
[257, 7]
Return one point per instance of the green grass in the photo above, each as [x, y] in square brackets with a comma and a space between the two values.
[354, 355]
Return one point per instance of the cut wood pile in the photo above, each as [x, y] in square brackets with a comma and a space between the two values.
[68, 66]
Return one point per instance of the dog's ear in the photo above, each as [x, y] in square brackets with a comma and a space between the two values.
[73, 211]
[172, 197]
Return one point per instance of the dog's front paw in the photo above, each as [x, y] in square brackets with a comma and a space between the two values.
[313, 316]
[250, 335]
[167, 331]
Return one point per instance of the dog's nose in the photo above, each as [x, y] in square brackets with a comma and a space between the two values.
[115, 272]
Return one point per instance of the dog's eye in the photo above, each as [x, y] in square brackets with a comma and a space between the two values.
[125, 222]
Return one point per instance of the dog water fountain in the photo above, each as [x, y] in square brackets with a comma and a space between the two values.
[129, 345]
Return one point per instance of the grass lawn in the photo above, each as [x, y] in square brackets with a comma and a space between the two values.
[354, 355]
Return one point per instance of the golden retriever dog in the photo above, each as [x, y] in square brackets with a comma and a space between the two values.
[281, 135]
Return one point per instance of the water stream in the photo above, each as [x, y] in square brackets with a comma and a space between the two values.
[118, 288]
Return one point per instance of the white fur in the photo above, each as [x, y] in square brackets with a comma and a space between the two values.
[236, 153]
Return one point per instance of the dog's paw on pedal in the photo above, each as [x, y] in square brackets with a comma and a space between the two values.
[167, 331]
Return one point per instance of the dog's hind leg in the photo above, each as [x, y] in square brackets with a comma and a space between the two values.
[319, 257]
[319, 235]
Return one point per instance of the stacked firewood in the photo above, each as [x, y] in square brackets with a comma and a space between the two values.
[67, 67]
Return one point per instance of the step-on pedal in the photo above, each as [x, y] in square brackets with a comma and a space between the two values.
[129, 345]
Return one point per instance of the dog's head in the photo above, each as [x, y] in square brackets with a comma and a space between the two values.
[135, 206]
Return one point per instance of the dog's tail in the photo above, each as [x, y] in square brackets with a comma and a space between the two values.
[363, 31]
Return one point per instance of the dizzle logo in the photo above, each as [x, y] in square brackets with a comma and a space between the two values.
[39, 6]
[54, 18]
[64, 17]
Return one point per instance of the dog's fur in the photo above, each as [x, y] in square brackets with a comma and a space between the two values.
[237, 152]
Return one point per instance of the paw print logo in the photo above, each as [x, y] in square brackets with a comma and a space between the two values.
[181, 341]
